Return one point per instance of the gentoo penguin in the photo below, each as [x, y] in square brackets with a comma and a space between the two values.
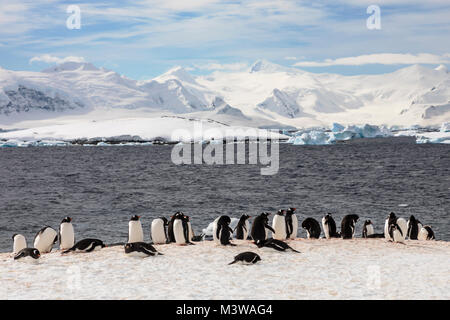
[279, 225]
[181, 229]
[87, 245]
[247, 257]
[135, 232]
[312, 228]
[291, 224]
[368, 231]
[414, 226]
[259, 226]
[45, 239]
[329, 227]
[28, 254]
[170, 233]
[19, 243]
[159, 231]
[395, 233]
[348, 226]
[140, 249]
[66, 234]
[392, 218]
[223, 231]
[275, 244]
[426, 233]
[191, 231]
[243, 227]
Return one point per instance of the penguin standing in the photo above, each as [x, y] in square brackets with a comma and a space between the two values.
[191, 231]
[426, 233]
[224, 231]
[28, 254]
[392, 219]
[86, 245]
[170, 233]
[312, 228]
[259, 226]
[159, 230]
[414, 226]
[135, 232]
[19, 243]
[66, 234]
[291, 223]
[279, 225]
[348, 226]
[395, 233]
[247, 257]
[243, 227]
[181, 229]
[45, 239]
[368, 231]
[329, 227]
[140, 249]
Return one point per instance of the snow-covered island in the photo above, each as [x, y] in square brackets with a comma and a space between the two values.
[325, 269]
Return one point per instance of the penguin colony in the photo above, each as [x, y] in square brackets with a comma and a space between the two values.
[178, 230]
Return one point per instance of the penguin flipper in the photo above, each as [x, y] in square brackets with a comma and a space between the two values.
[19, 255]
[233, 262]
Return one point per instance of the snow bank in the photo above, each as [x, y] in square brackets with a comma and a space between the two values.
[433, 137]
[325, 269]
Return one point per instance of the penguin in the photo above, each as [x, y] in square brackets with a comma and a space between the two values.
[426, 233]
[275, 244]
[247, 257]
[392, 219]
[279, 225]
[243, 227]
[170, 234]
[223, 231]
[329, 227]
[66, 234]
[159, 231]
[312, 228]
[45, 239]
[368, 231]
[19, 243]
[291, 224]
[86, 245]
[135, 232]
[181, 229]
[28, 254]
[140, 249]
[348, 226]
[395, 233]
[414, 226]
[191, 231]
[259, 226]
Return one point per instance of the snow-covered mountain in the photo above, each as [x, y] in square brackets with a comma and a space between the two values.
[265, 95]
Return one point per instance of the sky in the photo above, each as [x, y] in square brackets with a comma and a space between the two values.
[142, 39]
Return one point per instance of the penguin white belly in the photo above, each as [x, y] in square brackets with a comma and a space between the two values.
[369, 229]
[294, 227]
[403, 225]
[44, 241]
[247, 228]
[386, 230]
[135, 232]
[178, 231]
[158, 233]
[191, 231]
[398, 237]
[136, 254]
[423, 234]
[279, 225]
[67, 236]
[19, 243]
[216, 240]
[326, 230]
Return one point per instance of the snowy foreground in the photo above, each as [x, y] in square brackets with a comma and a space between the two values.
[325, 269]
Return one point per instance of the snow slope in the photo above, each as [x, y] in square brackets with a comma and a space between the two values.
[325, 269]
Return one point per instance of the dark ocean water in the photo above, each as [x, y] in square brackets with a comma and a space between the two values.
[101, 187]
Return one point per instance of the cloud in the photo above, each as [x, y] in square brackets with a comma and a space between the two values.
[52, 59]
[379, 58]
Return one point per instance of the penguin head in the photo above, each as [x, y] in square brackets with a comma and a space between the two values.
[186, 218]
[135, 218]
[392, 215]
[14, 235]
[35, 253]
[246, 216]
[281, 212]
[67, 220]
[164, 219]
[367, 222]
[412, 218]
[128, 247]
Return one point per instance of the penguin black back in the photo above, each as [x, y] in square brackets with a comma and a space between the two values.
[348, 226]
[313, 227]
[259, 226]
[288, 220]
[241, 227]
[224, 232]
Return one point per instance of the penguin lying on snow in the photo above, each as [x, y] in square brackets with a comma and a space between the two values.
[247, 257]
[426, 233]
[368, 231]
[28, 254]
[312, 228]
[141, 249]
[86, 245]
[275, 244]
[329, 227]
[348, 226]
